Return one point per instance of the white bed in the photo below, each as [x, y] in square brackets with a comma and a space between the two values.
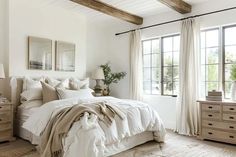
[111, 148]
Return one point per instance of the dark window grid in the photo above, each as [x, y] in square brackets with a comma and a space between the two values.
[232, 45]
[210, 64]
[209, 47]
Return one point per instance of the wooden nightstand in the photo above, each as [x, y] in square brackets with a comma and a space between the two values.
[6, 121]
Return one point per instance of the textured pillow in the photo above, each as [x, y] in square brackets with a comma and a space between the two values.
[31, 104]
[49, 93]
[31, 94]
[76, 84]
[29, 83]
[54, 82]
[82, 93]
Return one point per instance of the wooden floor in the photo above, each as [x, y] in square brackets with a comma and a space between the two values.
[177, 146]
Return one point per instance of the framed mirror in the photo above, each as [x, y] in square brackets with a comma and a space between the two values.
[39, 53]
[65, 56]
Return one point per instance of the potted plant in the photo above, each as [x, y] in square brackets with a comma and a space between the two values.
[233, 78]
[110, 77]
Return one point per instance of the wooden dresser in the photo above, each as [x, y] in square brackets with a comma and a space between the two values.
[6, 121]
[218, 121]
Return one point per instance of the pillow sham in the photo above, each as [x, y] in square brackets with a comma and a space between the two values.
[29, 83]
[31, 104]
[82, 93]
[54, 82]
[31, 94]
[49, 93]
[76, 84]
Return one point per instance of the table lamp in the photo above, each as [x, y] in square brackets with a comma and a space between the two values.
[98, 75]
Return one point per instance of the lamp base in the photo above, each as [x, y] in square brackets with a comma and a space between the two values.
[98, 88]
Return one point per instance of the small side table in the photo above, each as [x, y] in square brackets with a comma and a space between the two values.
[6, 120]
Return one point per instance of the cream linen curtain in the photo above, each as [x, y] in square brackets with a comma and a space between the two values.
[136, 69]
[187, 107]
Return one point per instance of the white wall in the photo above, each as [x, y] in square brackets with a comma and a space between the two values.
[116, 48]
[32, 18]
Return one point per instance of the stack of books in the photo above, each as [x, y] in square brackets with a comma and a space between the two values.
[214, 96]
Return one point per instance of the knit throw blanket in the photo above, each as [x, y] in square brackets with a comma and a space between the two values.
[60, 124]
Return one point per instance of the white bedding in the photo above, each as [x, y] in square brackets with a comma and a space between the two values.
[89, 138]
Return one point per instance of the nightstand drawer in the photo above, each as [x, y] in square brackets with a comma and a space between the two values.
[229, 117]
[5, 108]
[210, 107]
[229, 108]
[5, 117]
[219, 125]
[5, 134]
[5, 126]
[211, 115]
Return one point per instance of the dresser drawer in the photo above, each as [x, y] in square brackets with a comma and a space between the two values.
[229, 108]
[5, 108]
[5, 117]
[229, 117]
[219, 125]
[211, 107]
[5, 134]
[219, 135]
[5, 126]
[211, 115]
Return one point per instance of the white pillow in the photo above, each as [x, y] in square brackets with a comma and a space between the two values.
[77, 84]
[54, 82]
[29, 83]
[31, 104]
[31, 94]
[82, 93]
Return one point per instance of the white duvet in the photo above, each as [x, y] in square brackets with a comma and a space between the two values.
[87, 137]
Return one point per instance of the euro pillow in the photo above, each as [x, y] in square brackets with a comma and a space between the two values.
[31, 94]
[58, 83]
[29, 83]
[77, 84]
[82, 93]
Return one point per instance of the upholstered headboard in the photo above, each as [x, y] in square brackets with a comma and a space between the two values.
[16, 85]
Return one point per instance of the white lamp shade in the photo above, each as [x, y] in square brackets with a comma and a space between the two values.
[2, 73]
[98, 74]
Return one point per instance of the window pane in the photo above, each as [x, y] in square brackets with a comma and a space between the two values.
[228, 89]
[156, 60]
[147, 60]
[167, 44]
[212, 38]
[146, 74]
[203, 72]
[167, 74]
[212, 86]
[156, 74]
[146, 47]
[203, 41]
[230, 34]
[203, 89]
[212, 73]
[230, 54]
[176, 43]
[155, 46]
[156, 87]
[176, 58]
[212, 55]
[167, 59]
[203, 56]
[147, 87]
[175, 88]
[227, 72]
[168, 88]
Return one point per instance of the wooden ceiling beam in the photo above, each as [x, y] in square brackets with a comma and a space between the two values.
[110, 10]
[178, 5]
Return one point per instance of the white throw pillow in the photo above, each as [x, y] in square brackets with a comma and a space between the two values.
[77, 84]
[54, 82]
[31, 94]
[29, 83]
[82, 93]
[31, 104]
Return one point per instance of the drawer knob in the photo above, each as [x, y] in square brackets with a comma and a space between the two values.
[231, 127]
[210, 115]
[231, 136]
[0, 107]
[231, 117]
[210, 107]
[210, 133]
[231, 109]
[0, 120]
[210, 124]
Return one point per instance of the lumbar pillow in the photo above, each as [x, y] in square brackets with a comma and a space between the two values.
[82, 93]
[31, 94]
[54, 82]
[76, 84]
[29, 83]
[49, 93]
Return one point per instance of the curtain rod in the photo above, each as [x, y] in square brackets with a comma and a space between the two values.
[181, 19]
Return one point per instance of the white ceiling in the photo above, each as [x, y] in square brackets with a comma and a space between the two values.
[143, 8]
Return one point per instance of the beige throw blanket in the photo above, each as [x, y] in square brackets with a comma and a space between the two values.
[59, 125]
